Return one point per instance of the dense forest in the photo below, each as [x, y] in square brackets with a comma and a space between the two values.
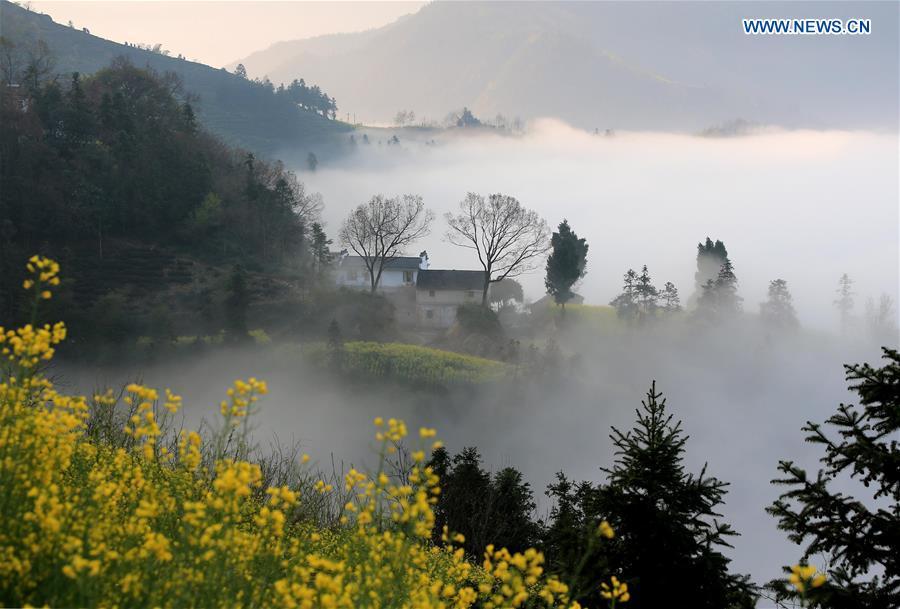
[114, 167]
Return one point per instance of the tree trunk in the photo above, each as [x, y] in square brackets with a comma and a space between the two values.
[484, 291]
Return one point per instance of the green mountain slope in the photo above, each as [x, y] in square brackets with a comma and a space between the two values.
[239, 111]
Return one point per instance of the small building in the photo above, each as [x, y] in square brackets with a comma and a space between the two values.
[400, 272]
[439, 293]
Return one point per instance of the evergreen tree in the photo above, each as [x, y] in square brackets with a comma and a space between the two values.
[565, 264]
[710, 258]
[859, 531]
[312, 161]
[671, 303]
[320, 247]
[668, 536]
[626, 302]
[240, 71]
[236, 304]
[719, 299]
[778, 311]
[844, 302]
[646, 295]
[485, 509]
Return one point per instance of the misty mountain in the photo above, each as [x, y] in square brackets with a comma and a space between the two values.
[643, 65]
[241, 112]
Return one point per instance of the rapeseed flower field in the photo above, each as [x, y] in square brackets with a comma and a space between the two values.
[153, 520]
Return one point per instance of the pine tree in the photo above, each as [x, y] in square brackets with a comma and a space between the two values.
[844, 302]
[778, 311]
[319, 246]
[486, 509]
[668, 536]
[565, 264]
[710, 258]
[671, 303]
[626, 302]
[859, 531]
[645, 295]
[719, 299]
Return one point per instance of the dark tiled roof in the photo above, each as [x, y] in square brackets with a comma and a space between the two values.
[450, 280]
[401, 262]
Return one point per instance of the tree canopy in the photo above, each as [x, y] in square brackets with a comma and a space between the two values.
[566, 264]
[858, 530]
[507, 238]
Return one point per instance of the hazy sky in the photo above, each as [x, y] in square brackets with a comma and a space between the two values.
[219, 32]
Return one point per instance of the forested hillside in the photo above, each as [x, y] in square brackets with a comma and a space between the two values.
[242, 112]
[114, 176]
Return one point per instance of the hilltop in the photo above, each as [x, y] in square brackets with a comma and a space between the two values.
[241, 112]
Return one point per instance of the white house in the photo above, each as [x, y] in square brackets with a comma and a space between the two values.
[400, 272]
[422, 297]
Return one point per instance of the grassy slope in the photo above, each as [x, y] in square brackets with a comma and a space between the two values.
[228, 105]
[412, 364]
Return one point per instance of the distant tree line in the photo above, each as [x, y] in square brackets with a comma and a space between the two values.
[309, 98]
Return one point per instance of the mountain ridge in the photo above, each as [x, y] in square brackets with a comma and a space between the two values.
[697, 69]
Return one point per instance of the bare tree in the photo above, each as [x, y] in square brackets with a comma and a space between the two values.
[10, 62]
[379, 231]
[508, 238]
[39, 64]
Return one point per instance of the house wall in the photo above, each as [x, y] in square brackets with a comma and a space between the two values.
[437, 308]
[390, 278]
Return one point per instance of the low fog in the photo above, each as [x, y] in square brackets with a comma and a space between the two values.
[742, 396]
[803, 206]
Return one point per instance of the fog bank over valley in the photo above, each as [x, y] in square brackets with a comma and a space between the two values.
[805, 206]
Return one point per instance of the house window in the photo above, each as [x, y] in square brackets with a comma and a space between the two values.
[431, 293]
[429, 314]
[352, 275]
[407, 276]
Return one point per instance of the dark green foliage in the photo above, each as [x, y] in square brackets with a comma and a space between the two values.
[566, 263]
[487, 509]
[719, 300]
[116, 161]
[236, 304]
[475, 319]
[858, 530]
[668, 534]
[778, 310]
[710, 258]
[319, 247]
